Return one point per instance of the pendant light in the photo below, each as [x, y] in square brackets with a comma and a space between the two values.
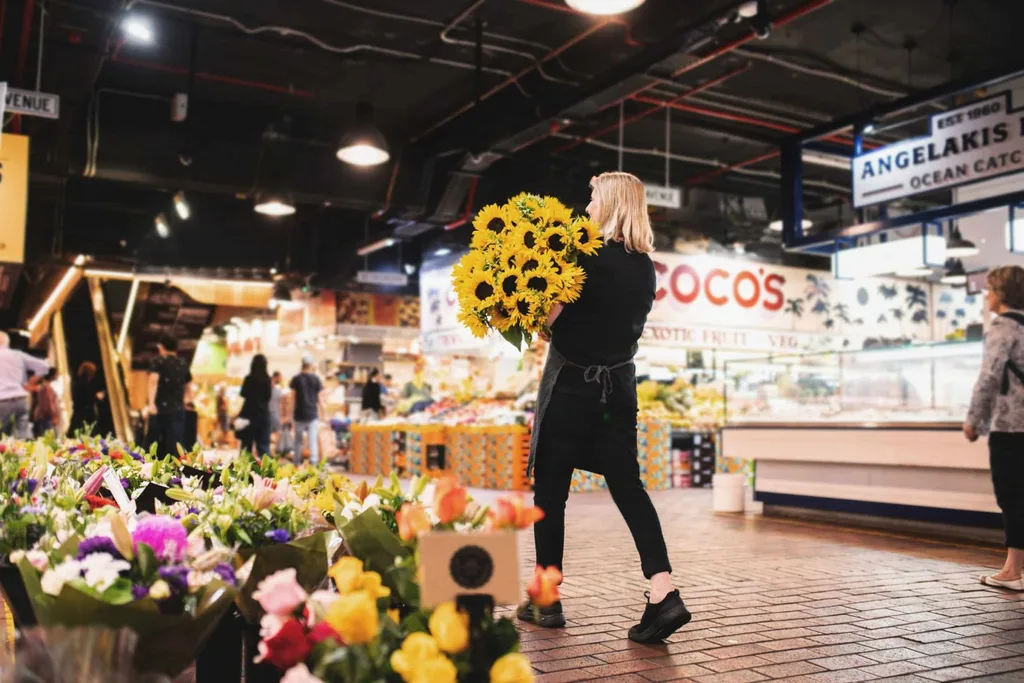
[274, 204]
[364, 144]
[955, 275]
[957, 246]
[603, 7]
[776, 226]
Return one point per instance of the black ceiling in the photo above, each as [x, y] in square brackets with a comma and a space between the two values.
[274, 83]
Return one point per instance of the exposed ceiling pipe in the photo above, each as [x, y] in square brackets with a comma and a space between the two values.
[704, 177]
[820, 73]
[514, 78]
[647, 112]
[214, 78]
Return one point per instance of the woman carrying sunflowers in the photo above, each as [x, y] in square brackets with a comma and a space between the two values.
[587, 404]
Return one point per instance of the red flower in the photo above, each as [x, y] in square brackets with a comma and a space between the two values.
[287, 647]
[22, 473]
[322, 632]
[96, 502]
[116, 455]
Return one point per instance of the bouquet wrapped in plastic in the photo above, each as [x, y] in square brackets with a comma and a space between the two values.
[522, 263]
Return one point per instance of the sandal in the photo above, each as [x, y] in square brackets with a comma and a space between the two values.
[1015, 585]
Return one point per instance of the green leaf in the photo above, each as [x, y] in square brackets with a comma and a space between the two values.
[514, 336]
[244, 537]
[148, 564]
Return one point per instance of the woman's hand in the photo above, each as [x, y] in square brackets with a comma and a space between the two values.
[556, 311]
[970, 433]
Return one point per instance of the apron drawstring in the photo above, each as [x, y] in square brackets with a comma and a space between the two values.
[603, 376]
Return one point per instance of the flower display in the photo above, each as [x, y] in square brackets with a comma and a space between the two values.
[450, 628]
[522, 262]
[512, 513]
[543, 587]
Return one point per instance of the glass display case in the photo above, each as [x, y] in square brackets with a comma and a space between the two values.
[915, 385]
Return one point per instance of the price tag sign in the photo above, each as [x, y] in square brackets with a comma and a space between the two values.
[113, 483]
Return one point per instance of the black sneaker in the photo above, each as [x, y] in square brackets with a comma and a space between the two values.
[547, 617]
[661, 620]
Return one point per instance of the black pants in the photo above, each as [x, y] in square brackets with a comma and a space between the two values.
[579, 432]
[172, 433]
[1006, 459]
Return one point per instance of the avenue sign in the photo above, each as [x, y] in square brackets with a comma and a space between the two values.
[41, 104]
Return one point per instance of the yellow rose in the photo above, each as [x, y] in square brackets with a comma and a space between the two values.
[417, 648]
[347, 573]
[512, 668]
[371, 583]
[395, 616]
[436, 670]
[450, 628]
[354, 617]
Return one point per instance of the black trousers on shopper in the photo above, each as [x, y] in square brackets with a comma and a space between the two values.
[581, 432]
[1006, 459]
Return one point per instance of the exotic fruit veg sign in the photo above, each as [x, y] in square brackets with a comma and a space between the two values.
[984, 139]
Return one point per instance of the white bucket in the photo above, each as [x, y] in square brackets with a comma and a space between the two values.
[728, 492]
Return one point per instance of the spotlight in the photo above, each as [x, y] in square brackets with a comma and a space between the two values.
[603, 7]
[410, 268]
[958, 247]
[442, 251]
[776, 226]
[163, 228]
[275, 205]
[182, 207]
[869, 129]
[363, 144]
[137, 29]
[955, 275]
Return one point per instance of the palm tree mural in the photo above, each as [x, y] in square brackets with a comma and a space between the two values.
[897, 314]
[917, 297]
[818, 288]
[842, 311]
[795, 308]
[820, 308]
[888, 292]
[920, 316]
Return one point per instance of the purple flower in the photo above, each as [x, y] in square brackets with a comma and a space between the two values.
[176, 576]
[139, 591]
[31, 484]
[193, 510]
[32, 510]
[165, 535]
[226, 572]
[136, 456]
[175, 481]
[105, 450]
[278, 536]
[125, 484]
[97, 544]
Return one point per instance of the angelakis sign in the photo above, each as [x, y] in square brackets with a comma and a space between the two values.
[981, 140]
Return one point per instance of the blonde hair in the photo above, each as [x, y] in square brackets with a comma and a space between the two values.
[1007, 282]
[622, 203]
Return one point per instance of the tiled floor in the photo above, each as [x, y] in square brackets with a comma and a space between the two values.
[776, 600]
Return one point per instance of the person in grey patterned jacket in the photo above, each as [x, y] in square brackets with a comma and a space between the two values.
[997, 410]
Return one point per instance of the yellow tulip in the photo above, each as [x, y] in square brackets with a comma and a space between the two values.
[512, 668]
[347, 573]
[450, 628]
[354, 617]
[372, 584]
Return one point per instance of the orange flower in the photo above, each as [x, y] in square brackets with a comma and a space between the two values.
[511, 512]
[450, 499]
[543, 587]
[412, 521]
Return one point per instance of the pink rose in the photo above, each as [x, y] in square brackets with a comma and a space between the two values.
[300, 674]
[279, 594]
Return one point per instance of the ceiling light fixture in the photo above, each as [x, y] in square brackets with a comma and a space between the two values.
[364, 144]
[274, 205]
[163, 228]
[182, 207]
[748, 10]
[368, 249]
[137, 29]
[958, 247]
[442, 251]
[955, 275]
[776, 226]
[603, 7]
[913, 272]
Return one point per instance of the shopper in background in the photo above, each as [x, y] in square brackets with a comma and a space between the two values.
[286, 439]
[14, 369]
[587, 404]
[223, 415]
[46, 415]
[256, 390]
[372, 393]
[997, 409]
[85, 393]
[307, 388]
[169, 391]
[274, 407]
[388, 399]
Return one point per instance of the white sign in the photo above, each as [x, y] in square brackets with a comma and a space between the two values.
[3, 99]
[41, 104]
[981, 140]
[372, 277]
[892, 256]
[668, 197]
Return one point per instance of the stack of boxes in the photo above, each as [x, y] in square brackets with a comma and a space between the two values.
[583, 482]
[693, 459]
[737, 466]
[654, 446]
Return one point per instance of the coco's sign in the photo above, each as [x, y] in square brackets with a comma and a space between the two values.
[981, 140]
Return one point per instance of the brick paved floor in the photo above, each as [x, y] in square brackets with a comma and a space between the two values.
[776, 600]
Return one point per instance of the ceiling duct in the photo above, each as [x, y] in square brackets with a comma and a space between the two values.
[453, 201]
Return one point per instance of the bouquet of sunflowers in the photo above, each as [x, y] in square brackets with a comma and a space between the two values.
[521, 264]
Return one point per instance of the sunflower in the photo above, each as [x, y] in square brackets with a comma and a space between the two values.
[478, 291]
[573, 278]
[474, 322]
[544, 281]
[509, 282]
[586, 236]
[501, 319]
[492, 218]
[524, 306]
[559, 215]
[509, 257]
[557, 240]
[526, 236]
[471, 262]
